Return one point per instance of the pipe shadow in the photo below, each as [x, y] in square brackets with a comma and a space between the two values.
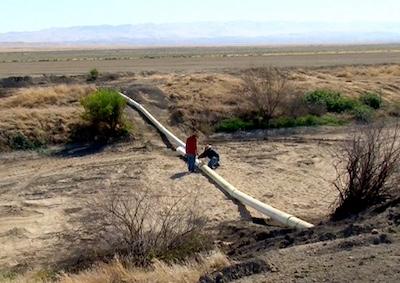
[179, 175]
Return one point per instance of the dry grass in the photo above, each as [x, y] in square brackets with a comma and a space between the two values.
[35, 97]
[159, 272]
[202, 99]
[43, 114]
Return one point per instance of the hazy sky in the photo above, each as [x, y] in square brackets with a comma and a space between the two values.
[27, 15]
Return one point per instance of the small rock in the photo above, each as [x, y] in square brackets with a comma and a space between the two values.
[374, 231]
[376, 241]
[385, 239]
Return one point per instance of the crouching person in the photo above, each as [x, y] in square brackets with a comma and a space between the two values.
[212, 155]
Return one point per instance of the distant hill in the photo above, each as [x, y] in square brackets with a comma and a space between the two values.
[214, 33]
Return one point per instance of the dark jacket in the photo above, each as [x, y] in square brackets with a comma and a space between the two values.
[191, 145]
[210, 153]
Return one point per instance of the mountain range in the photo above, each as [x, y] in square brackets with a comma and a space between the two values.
[214, 33]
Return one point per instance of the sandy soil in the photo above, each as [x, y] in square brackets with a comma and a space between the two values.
[40, 195]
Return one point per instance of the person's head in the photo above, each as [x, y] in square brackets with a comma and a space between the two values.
[194, 132]
[208, 146]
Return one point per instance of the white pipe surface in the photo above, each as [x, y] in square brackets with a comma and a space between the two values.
[273, 213]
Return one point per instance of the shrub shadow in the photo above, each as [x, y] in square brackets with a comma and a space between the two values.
[80, 150]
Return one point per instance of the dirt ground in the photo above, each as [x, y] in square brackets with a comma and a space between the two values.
[42, 194]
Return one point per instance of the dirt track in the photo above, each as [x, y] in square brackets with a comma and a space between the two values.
[197, 64]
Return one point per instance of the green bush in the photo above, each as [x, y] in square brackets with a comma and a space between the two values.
[20, 142]
[363, 113]
[372, 100]
[104, 110]
[305, 121]
[234, 124]
[333, 101]
[282, 122]
[93, 75]
[332, 120]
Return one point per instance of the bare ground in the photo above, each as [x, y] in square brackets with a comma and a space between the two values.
[43, 194]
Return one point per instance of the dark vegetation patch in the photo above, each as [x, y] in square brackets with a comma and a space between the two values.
[19, 141]
[16, 82]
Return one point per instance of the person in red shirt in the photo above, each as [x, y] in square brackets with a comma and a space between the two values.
[191, 151]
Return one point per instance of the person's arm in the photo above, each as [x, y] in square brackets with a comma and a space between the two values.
[203, 154]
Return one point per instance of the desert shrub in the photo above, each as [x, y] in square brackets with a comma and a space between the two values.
[19, 141]
[305, 121]
[93, 75]
[144, 226]
[318, 108]
[266, 89]
[331, 100]
[367, 169]
[283, 122]
[308, 120]
[363, 113]
[104, 110]
[234, 124]
[372, 100]
[295, 106]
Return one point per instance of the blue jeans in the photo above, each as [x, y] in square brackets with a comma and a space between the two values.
[191, 160]
[213, 163]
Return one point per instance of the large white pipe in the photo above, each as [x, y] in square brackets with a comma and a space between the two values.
[273, 213]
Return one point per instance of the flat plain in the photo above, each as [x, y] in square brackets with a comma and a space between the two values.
[72, 60]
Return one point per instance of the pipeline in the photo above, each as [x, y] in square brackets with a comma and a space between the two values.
[275, 214]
